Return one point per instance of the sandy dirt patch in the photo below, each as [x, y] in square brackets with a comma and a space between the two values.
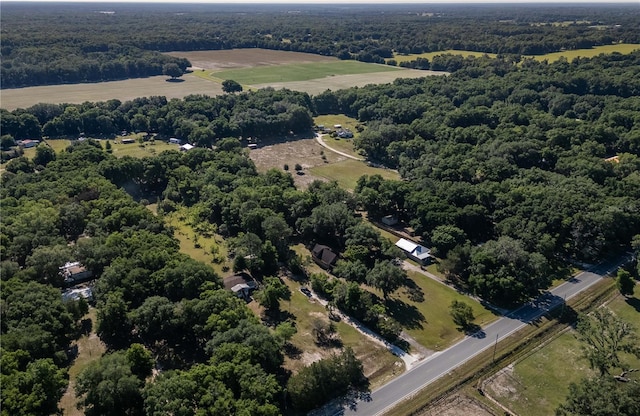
[245, 58]
[126, 90]
[337, 82]
[275, 153]
[458, 405]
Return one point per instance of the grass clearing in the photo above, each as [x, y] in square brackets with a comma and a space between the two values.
[379, 364]
[623, 48]
[90, 348]
[347, 172]
[195, 245]
[540, 382]
[138, 150]
[429, 321]
[343, 145]
[58, 145]
[299, 72]
[430, 55]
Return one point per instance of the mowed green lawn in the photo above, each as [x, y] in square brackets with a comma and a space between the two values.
[347, 172]
[429, 320]
[140, 150]
[299, 72]
[540, 382]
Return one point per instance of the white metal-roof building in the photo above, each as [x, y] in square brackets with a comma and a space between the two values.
[414, 251]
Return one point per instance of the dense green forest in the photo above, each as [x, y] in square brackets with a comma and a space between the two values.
[155, 305]
[44, 45]
[511, 170]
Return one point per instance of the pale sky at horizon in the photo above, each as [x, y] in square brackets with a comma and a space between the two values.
[335, 1]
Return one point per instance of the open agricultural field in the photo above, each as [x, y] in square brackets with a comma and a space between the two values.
[104, 91]
[623, 48]
[259, 75]
[247, 58]
[254, 68]
[540, 382]
[337, 82]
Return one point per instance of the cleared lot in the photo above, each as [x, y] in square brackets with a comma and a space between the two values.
[104, 91]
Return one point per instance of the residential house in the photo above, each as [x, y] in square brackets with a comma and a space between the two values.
[390, 220]
[28, 143]
[415, 251]
[74, 272]
[241, 284]
[324, 256]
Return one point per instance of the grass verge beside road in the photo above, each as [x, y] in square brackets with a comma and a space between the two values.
[540, 383]
[429, 320]
[516, 347]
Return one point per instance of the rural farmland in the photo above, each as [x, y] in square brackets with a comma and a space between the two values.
[254, 68]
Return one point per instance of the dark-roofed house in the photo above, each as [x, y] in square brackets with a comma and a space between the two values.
[324, 256]
[74, 272]
[242, 284]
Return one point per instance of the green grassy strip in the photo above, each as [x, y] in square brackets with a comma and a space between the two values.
[299, 72]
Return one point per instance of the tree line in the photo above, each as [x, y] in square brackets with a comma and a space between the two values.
[70, 44]
[197, 119]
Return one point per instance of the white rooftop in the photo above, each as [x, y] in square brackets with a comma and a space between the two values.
[414, 249]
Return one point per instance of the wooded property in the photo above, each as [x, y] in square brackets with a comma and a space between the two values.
[153, 232]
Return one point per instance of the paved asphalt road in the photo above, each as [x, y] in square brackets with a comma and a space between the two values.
[439, 364]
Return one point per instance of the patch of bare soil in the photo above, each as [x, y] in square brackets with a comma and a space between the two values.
[337, 82]
[503, 384]
[458, 405]
[243, 58]
[292, 150]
